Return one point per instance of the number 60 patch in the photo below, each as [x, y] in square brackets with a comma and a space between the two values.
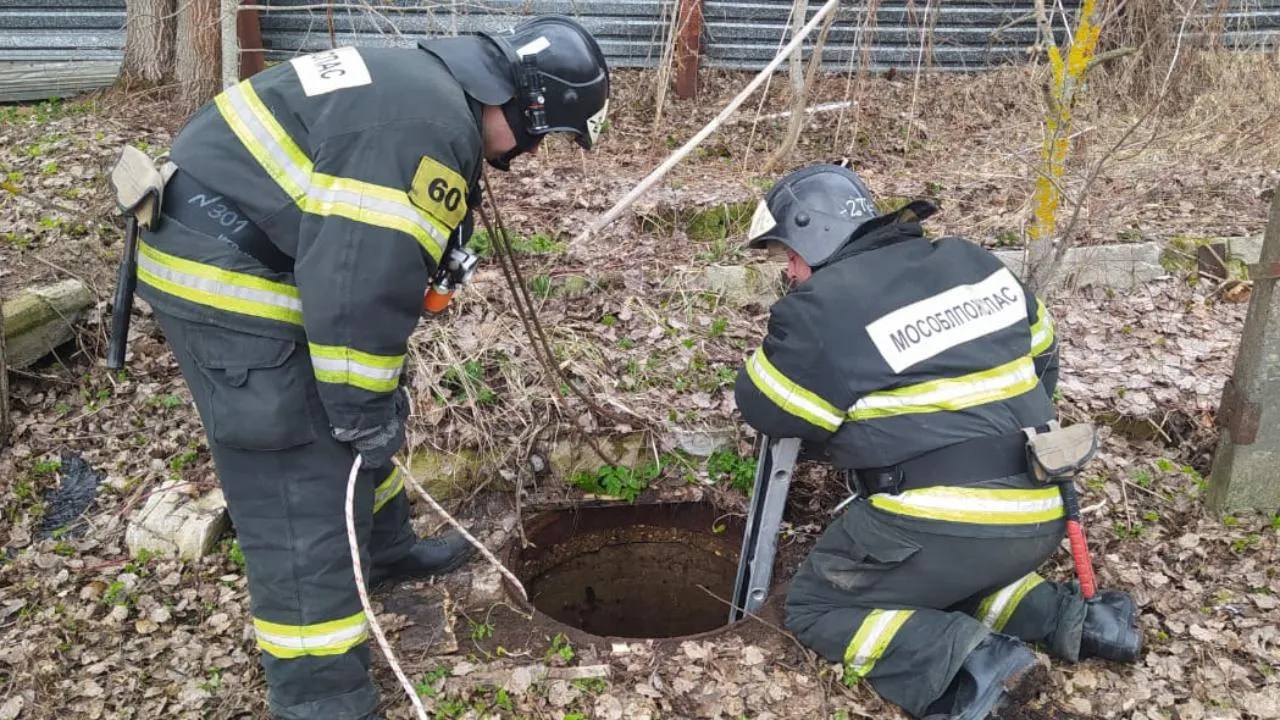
[439, 190]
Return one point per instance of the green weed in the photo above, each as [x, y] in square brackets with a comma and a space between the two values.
[615, 481]
[727, 465]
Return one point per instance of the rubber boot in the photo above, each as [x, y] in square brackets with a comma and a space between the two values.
[433, 556]
[1111, 628]
[1000, 674]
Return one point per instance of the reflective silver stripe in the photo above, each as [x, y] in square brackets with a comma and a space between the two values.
[1022, 372]
[299, 176]
[872, 639]
[352, 367]
[980, 505]
[1039, 337]
[214, 287]
[790, 396]
[337, 638]
[387, 490]
[348, 192]
[1007, 599]
[316, 192]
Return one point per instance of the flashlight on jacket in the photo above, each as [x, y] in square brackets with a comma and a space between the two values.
[456, 270]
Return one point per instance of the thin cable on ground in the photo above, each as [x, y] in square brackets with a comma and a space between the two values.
[354, 544]
[533, 328]
[493, 560]
[523, 292]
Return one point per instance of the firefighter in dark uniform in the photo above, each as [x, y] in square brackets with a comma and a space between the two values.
[914, 365]
[312, 206]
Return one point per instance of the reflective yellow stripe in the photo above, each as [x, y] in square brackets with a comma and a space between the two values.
[998, 383]
[997, 608]
[318, 193]
[872, 639]
[1041, 331]
[789, 396]
[348, 366]
[263, 137]
[983, 506]
[218, 288]
[329, 638]
[391, 487]
[374, 205]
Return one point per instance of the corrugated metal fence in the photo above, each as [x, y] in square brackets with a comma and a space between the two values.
[744, 34]
[61, 30]
[741, 34]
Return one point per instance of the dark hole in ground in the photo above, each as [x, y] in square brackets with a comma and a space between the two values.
[632, 571]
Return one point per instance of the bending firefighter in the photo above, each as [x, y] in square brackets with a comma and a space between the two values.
[312, 207]
[916, 365]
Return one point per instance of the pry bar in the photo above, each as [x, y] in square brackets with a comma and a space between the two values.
[775, 463]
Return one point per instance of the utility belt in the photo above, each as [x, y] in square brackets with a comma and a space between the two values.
[209, 212]
[964, 463]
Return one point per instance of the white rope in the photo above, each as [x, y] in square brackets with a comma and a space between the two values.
[364, 594]
[413, 482]
[710, 127]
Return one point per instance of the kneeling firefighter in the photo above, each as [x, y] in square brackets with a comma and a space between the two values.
[920, 367]
[306, 213]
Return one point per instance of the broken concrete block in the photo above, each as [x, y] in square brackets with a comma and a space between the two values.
[174, 524]
[569, 457]
[699, 443]
[1247, 249]
[1119, 267]
[744, 284]
[39, 319]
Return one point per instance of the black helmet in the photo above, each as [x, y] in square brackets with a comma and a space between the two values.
[548, 74]
[816, 209]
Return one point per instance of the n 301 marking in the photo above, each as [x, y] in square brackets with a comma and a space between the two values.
[331, 70]
[219, 211]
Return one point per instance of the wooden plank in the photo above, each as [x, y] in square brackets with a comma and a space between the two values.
[27, 81]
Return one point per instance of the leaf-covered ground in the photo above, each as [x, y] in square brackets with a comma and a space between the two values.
[88, 631]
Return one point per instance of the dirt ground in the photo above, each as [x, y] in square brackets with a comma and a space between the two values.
[87, 631]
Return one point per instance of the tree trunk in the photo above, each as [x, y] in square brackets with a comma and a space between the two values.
[199, 55]
[799, 9]
[801, 92]
[148, 44]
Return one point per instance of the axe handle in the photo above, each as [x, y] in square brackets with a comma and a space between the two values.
[1079, 546]
[126, 282]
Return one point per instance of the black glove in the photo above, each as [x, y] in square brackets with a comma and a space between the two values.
[378, 446]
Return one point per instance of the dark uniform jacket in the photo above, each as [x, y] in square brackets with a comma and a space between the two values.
[358, 165]
[899, 346]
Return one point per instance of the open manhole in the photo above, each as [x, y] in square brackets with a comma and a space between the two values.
[635, 571]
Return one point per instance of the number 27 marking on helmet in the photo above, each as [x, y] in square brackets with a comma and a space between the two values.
[857, 207]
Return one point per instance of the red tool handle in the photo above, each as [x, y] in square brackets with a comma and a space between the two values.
[1075, 533]
[1080, 554]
